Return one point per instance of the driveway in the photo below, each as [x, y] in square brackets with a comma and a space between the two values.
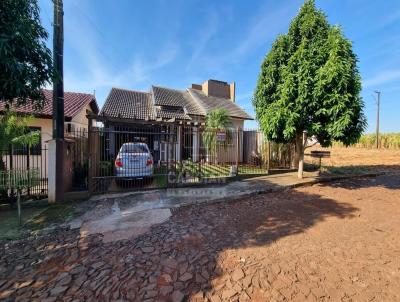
[335, 241]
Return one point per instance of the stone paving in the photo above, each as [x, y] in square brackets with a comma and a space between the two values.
[335, 242]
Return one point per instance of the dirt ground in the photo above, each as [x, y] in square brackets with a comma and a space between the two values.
[382, 159]
[337, 241]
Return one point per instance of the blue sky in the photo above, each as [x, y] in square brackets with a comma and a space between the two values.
[133, 44]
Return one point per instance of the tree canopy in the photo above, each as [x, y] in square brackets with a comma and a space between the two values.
[25, 60]
[310, 81]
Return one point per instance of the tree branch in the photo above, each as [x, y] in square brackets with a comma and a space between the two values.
[316, 142]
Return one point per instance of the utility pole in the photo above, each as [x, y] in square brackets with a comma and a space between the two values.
[58, 84]
[56, 145]
[378, 100]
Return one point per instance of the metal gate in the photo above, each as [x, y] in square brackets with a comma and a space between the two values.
[131, 158]
[159, 156]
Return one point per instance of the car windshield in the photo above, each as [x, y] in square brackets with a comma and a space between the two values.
[134, 148]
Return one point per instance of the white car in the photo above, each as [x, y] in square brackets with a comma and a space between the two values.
[134, 160]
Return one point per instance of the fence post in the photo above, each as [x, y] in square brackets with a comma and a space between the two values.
[56, 157]
[269, 156]
[237, 150]
[11, 166]
[28, 151]
[90, 157]
[181, 142]
[10, 151]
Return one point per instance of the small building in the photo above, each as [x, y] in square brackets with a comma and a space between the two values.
[76, 107]
[173, 111]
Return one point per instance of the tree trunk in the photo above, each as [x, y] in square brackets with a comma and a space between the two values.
[301, 146]
[297, 151]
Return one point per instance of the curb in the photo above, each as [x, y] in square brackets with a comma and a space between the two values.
[278, 189]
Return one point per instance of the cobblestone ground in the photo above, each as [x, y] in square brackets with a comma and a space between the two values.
[337, 241]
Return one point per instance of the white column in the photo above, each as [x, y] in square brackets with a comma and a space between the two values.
[196, 145]
[56, 171]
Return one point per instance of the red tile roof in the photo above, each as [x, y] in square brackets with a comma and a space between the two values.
[74, 102]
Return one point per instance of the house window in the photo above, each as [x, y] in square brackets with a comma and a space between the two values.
[34, 150]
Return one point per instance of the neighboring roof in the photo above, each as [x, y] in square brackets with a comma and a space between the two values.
[74, 102]
[178, 98]
[211, 102]
[128, 104]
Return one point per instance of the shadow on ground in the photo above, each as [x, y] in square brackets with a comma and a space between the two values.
[176, 259]
[388, 181]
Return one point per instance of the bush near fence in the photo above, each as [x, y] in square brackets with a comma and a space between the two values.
[386, 141]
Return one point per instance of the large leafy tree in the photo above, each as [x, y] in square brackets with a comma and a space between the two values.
[309, 81]
[25, 61]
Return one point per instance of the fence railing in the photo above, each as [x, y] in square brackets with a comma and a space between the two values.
[18, 159]
[129, 158]
[161, 156]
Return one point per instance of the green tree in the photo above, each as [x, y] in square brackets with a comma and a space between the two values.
[14, 130]
[216, 120]
[309, 81]
[25, 61]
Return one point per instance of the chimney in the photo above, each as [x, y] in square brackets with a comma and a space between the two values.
[232, 91]
[196, 86]
[216, 88]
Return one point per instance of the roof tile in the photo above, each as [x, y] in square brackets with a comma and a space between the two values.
[128, 104]
[74, 102]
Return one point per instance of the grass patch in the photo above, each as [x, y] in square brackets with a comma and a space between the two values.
[53, 214]
[353, 170]
[35, 215]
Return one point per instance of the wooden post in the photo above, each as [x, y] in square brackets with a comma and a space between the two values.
[269, 156]
[56, 145]
[181, 142]
[90, 159]
[237, 150]
[19, 206]
[28, 164]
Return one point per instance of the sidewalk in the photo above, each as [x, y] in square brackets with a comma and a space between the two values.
[128, 215]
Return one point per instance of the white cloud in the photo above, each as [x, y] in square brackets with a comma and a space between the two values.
[206, 34]
[260, 31]
[263, 28]
[382, 78]
[92, 66]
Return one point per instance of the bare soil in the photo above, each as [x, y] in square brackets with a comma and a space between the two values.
[332, 242]
[377, 159]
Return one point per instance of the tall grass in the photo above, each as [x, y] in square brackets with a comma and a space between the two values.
[386, 141]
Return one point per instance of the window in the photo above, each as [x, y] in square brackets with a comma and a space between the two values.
[34, 150]
[134, 148]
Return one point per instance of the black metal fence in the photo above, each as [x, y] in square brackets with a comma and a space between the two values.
[115, 158]
[21, 158]
[159, 156]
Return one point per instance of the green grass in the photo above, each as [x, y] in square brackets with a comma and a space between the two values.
[35, 216]
[55, 213]
[352, 170]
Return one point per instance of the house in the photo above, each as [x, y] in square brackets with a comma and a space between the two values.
[173, 111]
[76, 107]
